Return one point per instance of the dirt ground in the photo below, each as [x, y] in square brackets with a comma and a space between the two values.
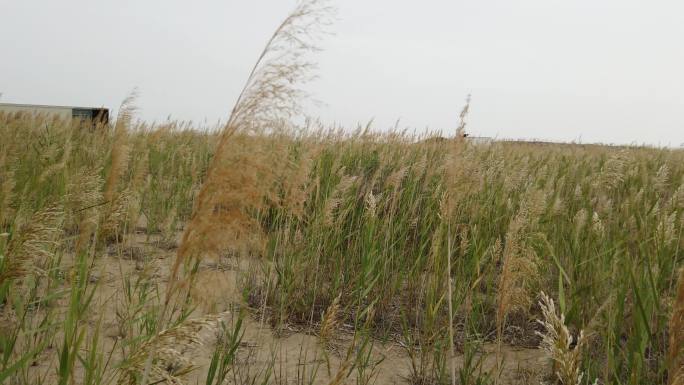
[298, 356]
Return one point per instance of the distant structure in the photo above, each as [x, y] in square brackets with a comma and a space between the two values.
[479, 139]
[92, 114]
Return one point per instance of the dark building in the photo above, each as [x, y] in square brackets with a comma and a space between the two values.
[96, 115]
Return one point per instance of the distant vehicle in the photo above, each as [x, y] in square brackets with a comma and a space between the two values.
[96, 115]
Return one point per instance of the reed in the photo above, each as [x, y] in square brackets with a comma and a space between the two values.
[675, 356]
[170, 349]
[222, 216]
[440, 246]
[564, 350]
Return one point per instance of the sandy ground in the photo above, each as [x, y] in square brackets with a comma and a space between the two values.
[297, 356]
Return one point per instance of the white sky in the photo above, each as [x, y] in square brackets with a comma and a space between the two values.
[607, 71]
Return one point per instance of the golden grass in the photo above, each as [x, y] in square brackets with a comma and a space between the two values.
[271, 95]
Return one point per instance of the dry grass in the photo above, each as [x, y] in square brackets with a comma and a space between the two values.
[330, 322]
[240, 181]
[170, 349]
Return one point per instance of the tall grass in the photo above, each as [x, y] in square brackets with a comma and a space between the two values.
[362, 229]
[526, 219]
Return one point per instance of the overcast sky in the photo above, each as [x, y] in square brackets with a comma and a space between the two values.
[607, 71]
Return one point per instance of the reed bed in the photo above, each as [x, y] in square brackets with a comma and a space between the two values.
[362, 241]
[351, 233]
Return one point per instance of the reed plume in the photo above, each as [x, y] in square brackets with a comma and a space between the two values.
[519, 268]
[7, 184]
[169, 348]
[564, 350]
[238, 183]
[296, 183]
[117, 201]
[33, 242]
[613, 171]
[662, 178]
[333, 202]
[84, 201]
[120, 150]
[224, 208]
[139, 177]
[330, 321]
[460, 130]
[345, 367]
